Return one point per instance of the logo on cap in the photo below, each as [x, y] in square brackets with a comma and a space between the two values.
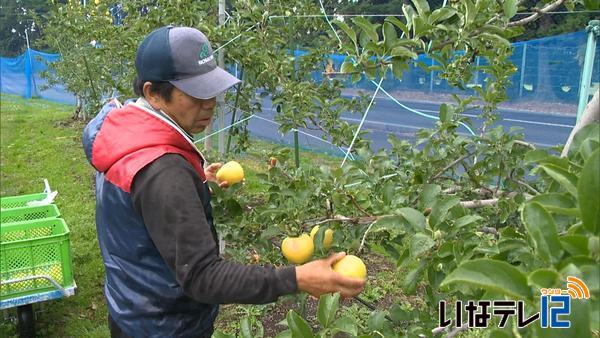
[204, 55]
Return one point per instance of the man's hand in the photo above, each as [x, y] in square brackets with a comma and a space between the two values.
[211, 174]
[318, 278]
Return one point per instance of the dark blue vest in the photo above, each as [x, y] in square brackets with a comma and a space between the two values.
[143, 296]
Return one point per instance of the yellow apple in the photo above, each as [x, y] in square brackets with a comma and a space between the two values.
[298, 250]
[232, 172]
[351, 266]
[97, 2]
[327, 236]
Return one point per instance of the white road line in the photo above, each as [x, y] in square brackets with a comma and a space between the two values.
[383, 123]
[475, 116]
[507, 119]
[417, 128]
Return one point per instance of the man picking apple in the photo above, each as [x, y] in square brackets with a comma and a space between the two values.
[164, 276]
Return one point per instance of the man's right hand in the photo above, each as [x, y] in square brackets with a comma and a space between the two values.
[318, 278]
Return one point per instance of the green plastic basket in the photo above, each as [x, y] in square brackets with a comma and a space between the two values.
[28, 213]
[30, 248]
[21, 200]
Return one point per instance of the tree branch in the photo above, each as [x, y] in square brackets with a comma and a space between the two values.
[357, 205]
[590, 115]
[537, 14]
[524, 184]
[488, 202]
[340, 218]
[457, 330]
[452, 164]
[525, 144]
[362, 242]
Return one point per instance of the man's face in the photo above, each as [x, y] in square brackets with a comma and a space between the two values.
[193, 115]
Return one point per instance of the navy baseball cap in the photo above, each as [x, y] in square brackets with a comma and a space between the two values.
[182, 56]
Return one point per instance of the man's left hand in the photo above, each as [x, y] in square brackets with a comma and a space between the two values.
[211, 174]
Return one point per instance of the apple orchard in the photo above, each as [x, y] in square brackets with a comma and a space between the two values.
[443, 216]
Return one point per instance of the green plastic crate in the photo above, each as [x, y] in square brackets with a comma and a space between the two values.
[28, 213]
[39, 247]
[21, 200]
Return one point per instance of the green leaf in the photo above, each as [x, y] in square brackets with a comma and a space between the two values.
[328, 306]
[446, 113]
[497, 333]
[403, 52]
[284, 334]
[367, 27]
[348, 67]
[495, 39]
[590, 131]
[422, 7]
[440, 209]
[389, 35]
[535, 156]
[566, 179]
[470, 12]
[398, 314]
[542, 231]
[441, 14]
[298, 326]
[376, 320]
[591, 276]
[219, 334]
[587, 148]
[588, 193]
[544, 278]
[594, 245]
[394, 224]
[510, 8]
[466, 220]
[414, 218]
[580, 323]
[344, 324]
[396, 22]
[428, 195]
[491, 275]
[420, 26]
[245, 330]
[559, 203]
[398, 68]
[591, 5]
[575, 244]
[349, 31]
[445, 250]
[419, 244]
[409, 14]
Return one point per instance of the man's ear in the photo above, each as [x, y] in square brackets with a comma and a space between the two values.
[152, 97]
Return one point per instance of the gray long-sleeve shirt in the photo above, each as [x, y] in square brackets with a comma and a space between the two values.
[175, 206]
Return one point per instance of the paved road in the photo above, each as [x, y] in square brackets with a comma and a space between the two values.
[386, 116]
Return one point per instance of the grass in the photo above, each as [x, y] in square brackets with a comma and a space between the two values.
[40, 140]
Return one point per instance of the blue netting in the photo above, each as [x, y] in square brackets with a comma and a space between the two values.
[548, 70]
[21, 76]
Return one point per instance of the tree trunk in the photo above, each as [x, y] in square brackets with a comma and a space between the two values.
[591, 114]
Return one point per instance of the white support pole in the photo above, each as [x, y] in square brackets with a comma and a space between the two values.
[523, 58]
[221, 98]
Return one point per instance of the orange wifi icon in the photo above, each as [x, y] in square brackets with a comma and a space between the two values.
[577, 288]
